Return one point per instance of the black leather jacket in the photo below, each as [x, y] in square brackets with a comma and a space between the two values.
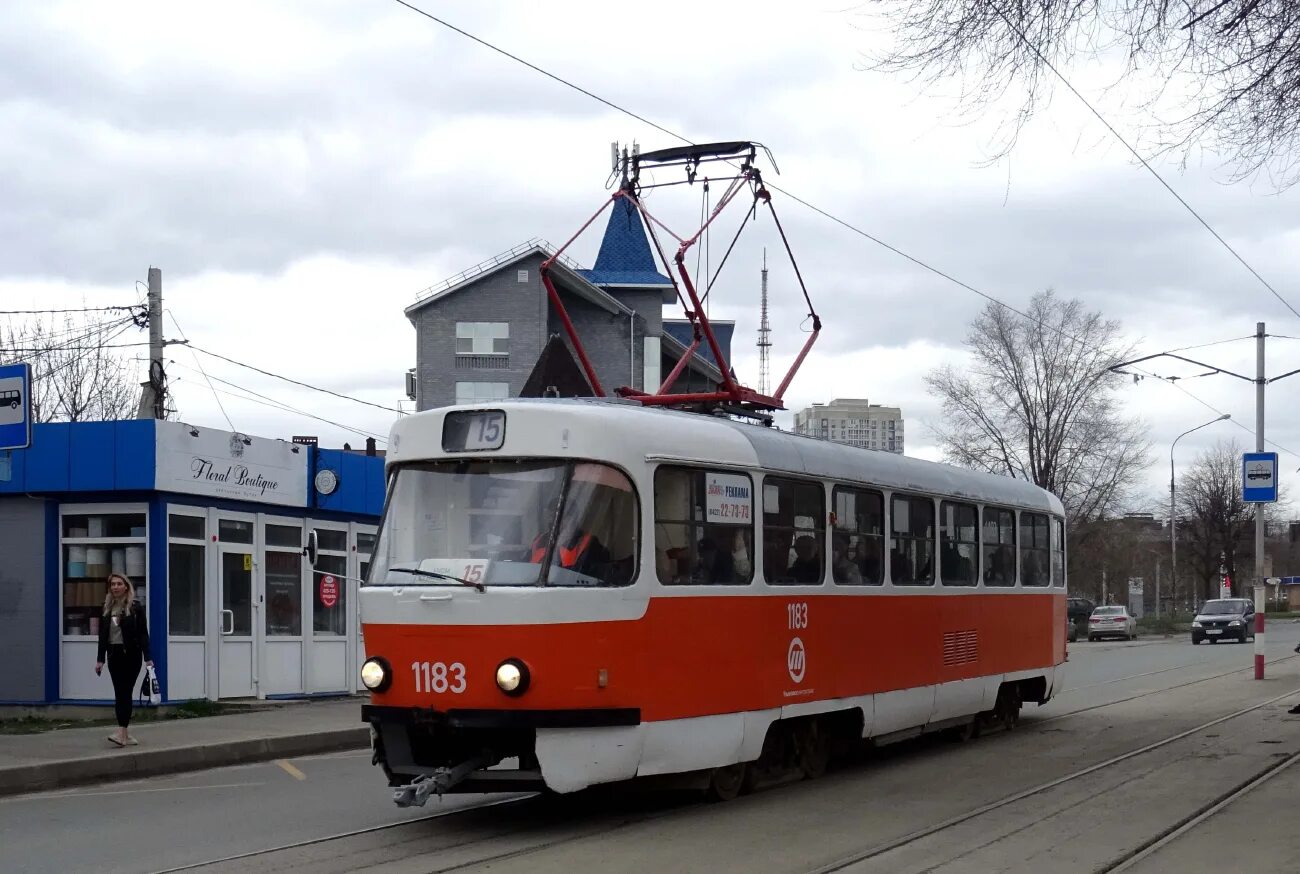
[135, 633]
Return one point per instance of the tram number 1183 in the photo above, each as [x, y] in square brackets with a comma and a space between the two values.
[797, 614]
[439, 677]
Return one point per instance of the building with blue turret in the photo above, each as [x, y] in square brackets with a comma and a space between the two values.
[481, 334]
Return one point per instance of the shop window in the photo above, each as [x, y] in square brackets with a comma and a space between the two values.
[332, 539]
[234, 531]
[329, 601]
[185, 587]
[704, 527]
[93, 546]
[284, 592]
[958, 544]
[857, 541]
[1034, 550]
[186, 527]
[365, 543]
[794, 532]
[284, 535]
[911, 551]
[999, 546]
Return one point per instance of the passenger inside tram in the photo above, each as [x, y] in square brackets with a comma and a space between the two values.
[807, 564]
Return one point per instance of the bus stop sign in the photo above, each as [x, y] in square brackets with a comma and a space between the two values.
[15, 406]
[1259, 477]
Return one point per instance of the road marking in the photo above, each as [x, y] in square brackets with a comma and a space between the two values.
[291, 770]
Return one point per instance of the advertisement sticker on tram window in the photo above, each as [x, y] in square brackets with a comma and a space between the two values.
[729, 499]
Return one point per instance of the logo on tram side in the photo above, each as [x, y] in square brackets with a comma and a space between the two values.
[796, 660]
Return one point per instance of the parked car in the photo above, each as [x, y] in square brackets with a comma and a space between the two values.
[1111, 622]
[1231, 618]
[1078, 610]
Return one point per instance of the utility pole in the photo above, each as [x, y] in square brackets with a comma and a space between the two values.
[153, 398]
[1260, 382]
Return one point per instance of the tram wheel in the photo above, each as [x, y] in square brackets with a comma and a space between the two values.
[1007, 709]
[725, 783]
[814, 749]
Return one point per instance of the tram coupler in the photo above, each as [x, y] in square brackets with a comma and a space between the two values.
[417, 792]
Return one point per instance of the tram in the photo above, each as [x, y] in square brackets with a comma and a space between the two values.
[567, 593]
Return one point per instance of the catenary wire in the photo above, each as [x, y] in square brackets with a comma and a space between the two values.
[1244, 263]
[267, 401]
[296, 382]
[853, 228]
[843, 223]
[220, 405]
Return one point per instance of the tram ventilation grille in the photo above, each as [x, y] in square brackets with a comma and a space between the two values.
[960, 647]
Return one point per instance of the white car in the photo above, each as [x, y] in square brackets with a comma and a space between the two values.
[1112, 622]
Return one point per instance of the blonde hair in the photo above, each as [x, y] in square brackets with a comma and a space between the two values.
[126, 602]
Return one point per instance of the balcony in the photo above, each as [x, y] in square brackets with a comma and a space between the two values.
[489, 361]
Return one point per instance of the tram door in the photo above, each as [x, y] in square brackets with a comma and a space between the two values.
[237, 654]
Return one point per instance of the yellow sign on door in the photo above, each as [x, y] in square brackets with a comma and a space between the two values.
[248, 562]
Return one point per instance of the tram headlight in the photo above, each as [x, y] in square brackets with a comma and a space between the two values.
[513, 677]
[375, 675]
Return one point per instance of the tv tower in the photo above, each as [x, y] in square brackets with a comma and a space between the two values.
[764, 338]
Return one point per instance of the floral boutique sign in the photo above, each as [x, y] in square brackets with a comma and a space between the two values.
[221, 464]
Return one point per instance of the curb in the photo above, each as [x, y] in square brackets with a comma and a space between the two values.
[149, 763]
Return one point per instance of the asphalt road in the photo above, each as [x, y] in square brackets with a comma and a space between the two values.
[224, 813]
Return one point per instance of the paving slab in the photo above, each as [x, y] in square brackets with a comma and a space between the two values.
[77, 756]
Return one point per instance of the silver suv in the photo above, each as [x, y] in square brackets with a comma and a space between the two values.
[1232, 618]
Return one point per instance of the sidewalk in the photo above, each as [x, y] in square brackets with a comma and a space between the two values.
[76, 756]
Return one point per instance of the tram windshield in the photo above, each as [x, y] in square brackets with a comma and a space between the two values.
[508, 523]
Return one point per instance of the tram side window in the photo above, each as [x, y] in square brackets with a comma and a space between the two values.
[858, 540]
[794, 532]
[911, 553]
[597, 534]
[1034, 550]
[1058, 552]
[999, 547]
[958, 544]
[704, 527]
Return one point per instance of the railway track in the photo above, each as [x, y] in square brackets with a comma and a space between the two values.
[524, 824]
[1178, 827]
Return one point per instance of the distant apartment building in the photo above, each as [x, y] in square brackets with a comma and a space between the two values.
[853, 421]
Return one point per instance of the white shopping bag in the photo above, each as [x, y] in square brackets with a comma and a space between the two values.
[151, 683]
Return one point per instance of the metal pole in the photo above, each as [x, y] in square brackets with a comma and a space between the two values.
[1173, 510]
[153, 401]
[1173, 541]
[1259, 508]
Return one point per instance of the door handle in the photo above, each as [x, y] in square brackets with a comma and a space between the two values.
[227, 614]
[440, 596]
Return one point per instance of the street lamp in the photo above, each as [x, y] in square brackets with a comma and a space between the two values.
[1173, 512]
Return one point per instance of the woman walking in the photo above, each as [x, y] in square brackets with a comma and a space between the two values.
[124, 637]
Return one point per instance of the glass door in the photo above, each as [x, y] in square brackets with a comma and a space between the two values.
[237, 657]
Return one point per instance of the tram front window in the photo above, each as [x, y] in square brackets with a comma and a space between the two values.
[508, 523]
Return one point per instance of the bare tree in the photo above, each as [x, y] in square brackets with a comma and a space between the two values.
[1216, 526]
[1037, 402]
[75, 376]
[1232, 66]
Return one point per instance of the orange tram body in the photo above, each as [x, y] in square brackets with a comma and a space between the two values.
[570, 593]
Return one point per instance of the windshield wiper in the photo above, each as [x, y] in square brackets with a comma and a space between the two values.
[421, 572]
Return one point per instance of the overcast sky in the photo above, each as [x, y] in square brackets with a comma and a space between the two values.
[300, 170]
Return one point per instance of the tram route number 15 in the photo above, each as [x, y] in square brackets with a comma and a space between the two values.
[439, 677]
[797, 614]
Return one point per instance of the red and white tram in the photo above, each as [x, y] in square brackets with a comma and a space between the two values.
[569, 593]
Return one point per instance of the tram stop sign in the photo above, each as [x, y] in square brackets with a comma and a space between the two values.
[329, 591]
[1259, 477]
[15, 406]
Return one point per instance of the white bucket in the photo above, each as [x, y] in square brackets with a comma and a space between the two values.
[119, 561]
[77, 554]
[96, 561]
[135, 561]
[96, 528]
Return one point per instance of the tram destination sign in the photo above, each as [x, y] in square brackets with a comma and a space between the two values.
[473, 430]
